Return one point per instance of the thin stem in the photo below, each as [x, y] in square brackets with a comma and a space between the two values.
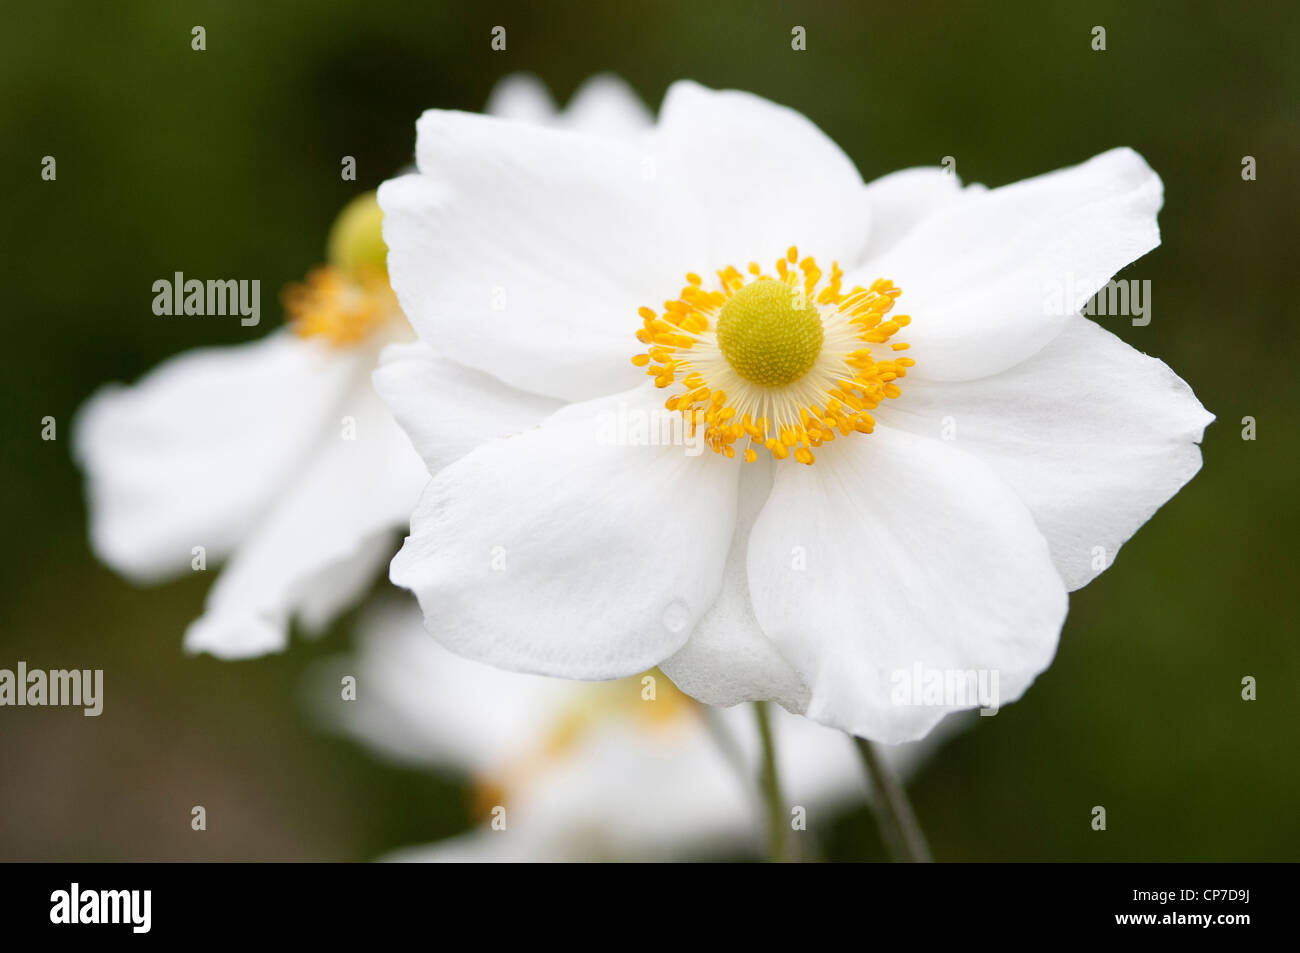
[770, 779]
[894, 812]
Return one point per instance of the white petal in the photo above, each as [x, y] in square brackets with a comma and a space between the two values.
[629, 792]
[522, 97]
[1093, 436]
[525, 252]
[322, 543]
[340, 583]
[605, 105]
[917, 555]
[423, 704]
[193, 453]
[765, 176]
[448, 409]
[984, 278]
[621, 792]
[556, 553]
[901, 200]
[728, 659]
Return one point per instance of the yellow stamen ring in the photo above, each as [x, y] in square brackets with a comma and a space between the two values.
[342, 309]
[781, 361]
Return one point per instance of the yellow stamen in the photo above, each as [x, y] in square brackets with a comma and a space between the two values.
[346, 300]
[781, 362]
[340, 309]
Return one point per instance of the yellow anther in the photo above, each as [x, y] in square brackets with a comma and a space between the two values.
[340, 309]
[783, 362]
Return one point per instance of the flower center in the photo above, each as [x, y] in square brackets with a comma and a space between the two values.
[770, 333]
[590, 708]
[781, 362]
[342, 309]
[347, 300]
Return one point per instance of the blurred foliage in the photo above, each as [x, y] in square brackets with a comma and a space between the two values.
[226, 162]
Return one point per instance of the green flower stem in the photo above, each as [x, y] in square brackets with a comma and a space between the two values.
[894, 813]
[770, 780]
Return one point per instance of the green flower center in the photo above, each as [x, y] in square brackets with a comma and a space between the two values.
[770, 333]
[356, 240]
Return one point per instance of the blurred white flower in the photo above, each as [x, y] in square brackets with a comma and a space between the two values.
[276, 456]
[866, 509]
[583, 771]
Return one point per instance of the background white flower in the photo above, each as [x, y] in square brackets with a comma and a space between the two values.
[276, 456]
[584, 771]
[524, 253]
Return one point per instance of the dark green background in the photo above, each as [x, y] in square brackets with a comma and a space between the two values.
[226, 162]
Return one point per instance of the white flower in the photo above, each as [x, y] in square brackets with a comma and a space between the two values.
[524, 255]
[276, 455]
[582, 771]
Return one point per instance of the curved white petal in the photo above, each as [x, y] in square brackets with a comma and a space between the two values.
[990, 279]
[728, 659]
[605, 105]
[561, 552]
[632, 790]
[584, 771]
[448, 409]
[525, 252]
[898, 202]
[765, 176]
[1093, 436]
[193, 453]
[522, 97]
[622, 784]
[322, 543]
[917, 555]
